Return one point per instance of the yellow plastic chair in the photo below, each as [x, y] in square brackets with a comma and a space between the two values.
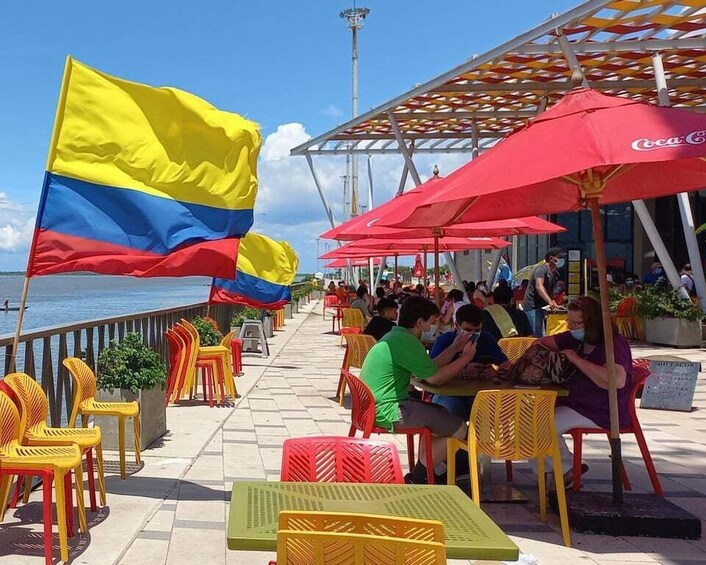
[357, 347]
[218, 355]
[34, 431]
[352, 322]
[85, 403]
[312, 538]
[557, 323]
[513, 425]
[227, 343]
[515, 347]
[52, 463]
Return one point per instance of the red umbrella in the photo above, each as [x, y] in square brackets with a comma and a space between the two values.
[375, 247]
[355, 262]
[587, 150]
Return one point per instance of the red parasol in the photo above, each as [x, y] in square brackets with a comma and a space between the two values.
[373, 247]
[587, 150]
[355, 262]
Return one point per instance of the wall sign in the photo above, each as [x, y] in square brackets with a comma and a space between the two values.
[671, 385]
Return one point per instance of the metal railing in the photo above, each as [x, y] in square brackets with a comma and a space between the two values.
[89, 338]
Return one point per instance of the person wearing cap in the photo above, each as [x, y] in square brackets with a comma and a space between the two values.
[540, 290]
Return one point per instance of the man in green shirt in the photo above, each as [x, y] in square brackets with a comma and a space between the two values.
[387, 370]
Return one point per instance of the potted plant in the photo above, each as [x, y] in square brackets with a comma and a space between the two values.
[129, 370]
[208, 330]
[669, 318]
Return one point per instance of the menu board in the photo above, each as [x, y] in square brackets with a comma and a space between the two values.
[671, 385]
[574, 273]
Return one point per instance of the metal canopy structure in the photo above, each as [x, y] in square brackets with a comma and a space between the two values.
[609, 45]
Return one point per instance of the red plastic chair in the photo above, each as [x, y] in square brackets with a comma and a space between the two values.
[330, 302]
[340, 460]
[363, 419]
[641, 370]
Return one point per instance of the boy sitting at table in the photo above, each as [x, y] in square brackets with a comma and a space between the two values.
[469, 322]
[387, 370]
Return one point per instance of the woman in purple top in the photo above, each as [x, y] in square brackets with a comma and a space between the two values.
[587, 403]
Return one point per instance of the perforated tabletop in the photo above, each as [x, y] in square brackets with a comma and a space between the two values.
[471, 387]
[470, 533]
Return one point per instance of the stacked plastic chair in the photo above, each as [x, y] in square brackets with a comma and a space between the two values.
[330, 303]
[33, 423]
[317, 538]
[357, 347]
[627, 319]
[513, 425]
[86, 405]
[278, 319]
[54, 464]
[340, 460]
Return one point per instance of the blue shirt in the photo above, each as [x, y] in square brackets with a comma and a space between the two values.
[487, 347]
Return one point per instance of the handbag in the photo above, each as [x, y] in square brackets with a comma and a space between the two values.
[541, 366]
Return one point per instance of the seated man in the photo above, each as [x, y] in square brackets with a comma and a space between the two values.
[502, 319]
[361, 302]
[385, 319]
[387, 370]
[469, 321]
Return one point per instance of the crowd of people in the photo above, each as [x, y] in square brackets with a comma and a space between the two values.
[465, 327]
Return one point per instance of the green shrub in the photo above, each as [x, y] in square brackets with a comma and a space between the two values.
[662, 300]
[247, 313]
[208, 334]
[131, 365]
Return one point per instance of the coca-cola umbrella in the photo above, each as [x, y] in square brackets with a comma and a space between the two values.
[587, 150]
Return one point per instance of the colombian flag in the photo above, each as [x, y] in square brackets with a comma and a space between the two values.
[265, 272]
[143, 181]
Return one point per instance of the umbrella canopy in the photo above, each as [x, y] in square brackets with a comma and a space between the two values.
[355, 262]
[368, 225]
[375, 247]
[587, 150]
[633, 150]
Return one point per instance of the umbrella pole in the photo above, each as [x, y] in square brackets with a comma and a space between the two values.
[615, 450]
[436, 263]
[395, 267]
[424, 279]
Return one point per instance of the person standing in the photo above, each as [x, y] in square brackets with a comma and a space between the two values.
[540, 290]
[687, 279]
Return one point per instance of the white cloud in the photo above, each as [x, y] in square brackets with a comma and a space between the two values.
[16, 225]
[288, 204]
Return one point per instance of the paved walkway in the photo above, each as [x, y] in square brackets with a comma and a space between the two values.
[174, 509]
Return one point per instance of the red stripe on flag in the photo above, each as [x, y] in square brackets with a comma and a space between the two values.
[60, 253]
[221, 296]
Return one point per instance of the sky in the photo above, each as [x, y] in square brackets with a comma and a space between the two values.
[285, 65]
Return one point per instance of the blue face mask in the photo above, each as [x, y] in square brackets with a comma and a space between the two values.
[578, 334]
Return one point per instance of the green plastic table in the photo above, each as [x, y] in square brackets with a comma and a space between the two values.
[470, 533]
[471, 387]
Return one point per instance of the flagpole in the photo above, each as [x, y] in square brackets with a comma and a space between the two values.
[58, 119]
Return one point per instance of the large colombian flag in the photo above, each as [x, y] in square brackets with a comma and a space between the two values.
[265, 272]
[143, 181]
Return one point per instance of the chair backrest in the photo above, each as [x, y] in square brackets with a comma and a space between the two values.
[515, 347]
[340, 460]
[330, 300]
[357, 350]
[352, 318]
[191, 343]
[228, 339]
[627, 307]
[356, 523]
[316, 548]
[640, 372]
[9, 422]
[35, 405]
[84, 381]
[193, 332]
[362, 403]
[513, 424]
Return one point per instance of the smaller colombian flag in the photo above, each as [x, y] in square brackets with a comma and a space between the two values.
[143, 181]
[265, 272]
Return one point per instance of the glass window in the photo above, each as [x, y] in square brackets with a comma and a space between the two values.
[619, 222]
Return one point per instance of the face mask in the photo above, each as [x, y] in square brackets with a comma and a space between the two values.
[658, 271]
[578, 334]
[558, 262]
[629, 282]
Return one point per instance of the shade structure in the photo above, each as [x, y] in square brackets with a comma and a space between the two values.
[355, 262]
[375, 247]
[587, 150]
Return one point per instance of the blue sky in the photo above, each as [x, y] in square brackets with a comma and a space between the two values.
[283, 64]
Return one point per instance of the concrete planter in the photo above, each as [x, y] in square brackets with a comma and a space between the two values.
[295, 306]
[269, 326]
[153, 417]
[288, 311]
[676, 332]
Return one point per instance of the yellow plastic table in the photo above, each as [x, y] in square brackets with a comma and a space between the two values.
[471, 387]
[557, 322]
[470, 533]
